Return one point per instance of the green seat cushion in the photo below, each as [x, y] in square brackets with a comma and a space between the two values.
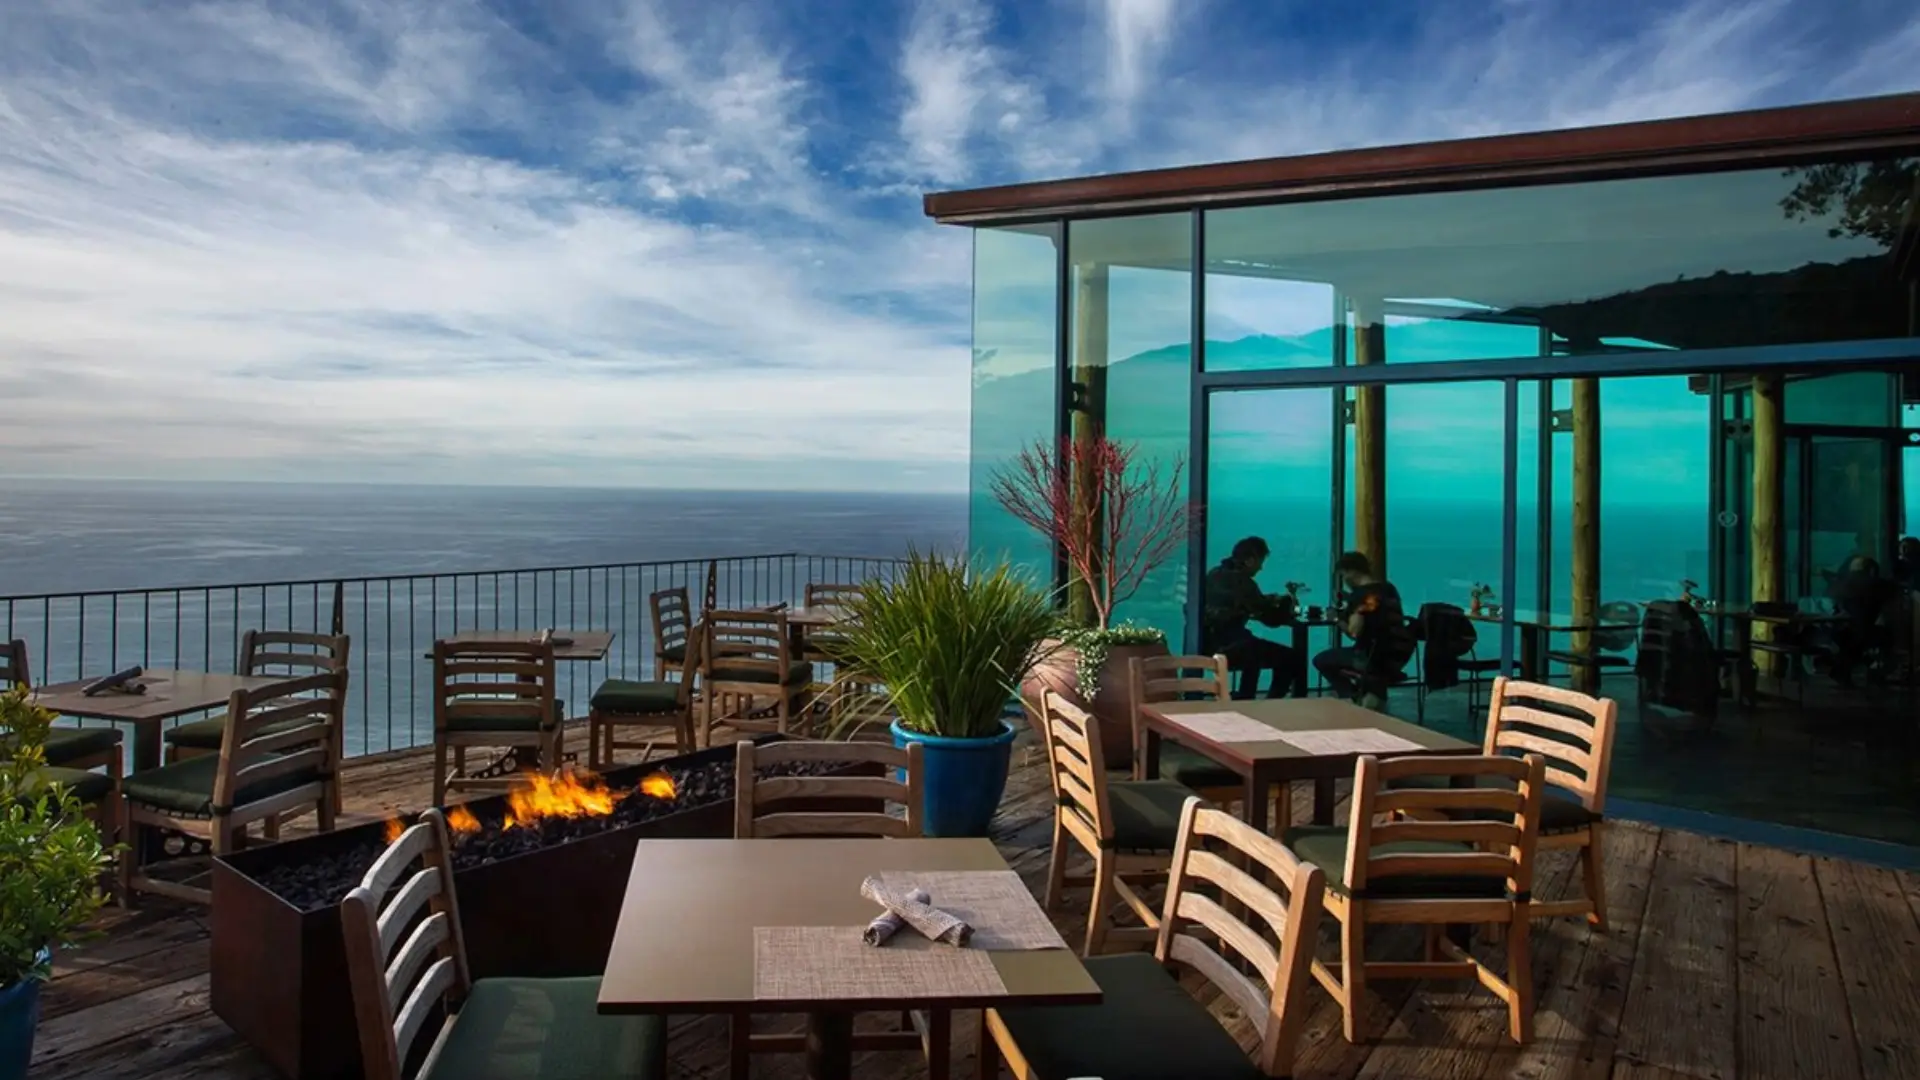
[521, 723]
[1194, 770]
[86, 785]
[1146, 813]
[635, 698]
[1558, 813]
[1325, 846]
[186, 787]
[1145, 1028]
[799, 673]
[547, 1029]
[65, 744]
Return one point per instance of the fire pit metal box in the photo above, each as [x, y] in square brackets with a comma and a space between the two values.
[279, 974]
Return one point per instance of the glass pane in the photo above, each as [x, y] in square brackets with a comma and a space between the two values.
[1856, 398]
[1015, 334]
[1270, 475]
[1131, 323]
[1910, 467]
[1760, 257]
[1847, 503]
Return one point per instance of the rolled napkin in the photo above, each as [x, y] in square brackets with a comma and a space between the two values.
[112, 682]
[886, 924]
[935, 924]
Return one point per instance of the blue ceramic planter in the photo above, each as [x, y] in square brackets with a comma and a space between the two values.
[19, 1015]
[963, 779]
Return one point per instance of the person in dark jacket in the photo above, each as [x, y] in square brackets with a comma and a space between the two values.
[1377, 623]
[1234, 599]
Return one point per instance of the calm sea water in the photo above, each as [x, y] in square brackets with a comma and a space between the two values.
[69, 536]
[58, 538]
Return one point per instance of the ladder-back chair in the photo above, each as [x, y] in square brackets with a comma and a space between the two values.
[1147, 1026]
[492, 694]
[407, 960]
[1129, 827]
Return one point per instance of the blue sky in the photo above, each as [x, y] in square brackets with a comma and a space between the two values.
[679, 244]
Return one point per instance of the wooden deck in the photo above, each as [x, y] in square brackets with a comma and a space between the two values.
[1725, 960]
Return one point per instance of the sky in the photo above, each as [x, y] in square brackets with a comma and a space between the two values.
[656, 243]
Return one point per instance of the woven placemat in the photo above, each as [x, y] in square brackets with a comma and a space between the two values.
[1226, 727]
[995, 903]
[1334, 741]
[831, 963]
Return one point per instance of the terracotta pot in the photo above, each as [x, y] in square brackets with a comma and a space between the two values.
[1111, 705]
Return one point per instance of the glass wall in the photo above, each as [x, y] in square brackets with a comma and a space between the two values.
[1129, 344]
[1015, 337]
[1761, 257]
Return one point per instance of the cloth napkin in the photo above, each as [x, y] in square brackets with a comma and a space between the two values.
[915, 909]
[121, 681]
[886, 924]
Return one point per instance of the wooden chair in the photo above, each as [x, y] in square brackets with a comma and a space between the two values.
[751, 793]
[497, 694]
[1128, 826]
[276, 761]
[672, 629]
[748, 675]
[656, 703]
[66, 747]
[1147, 1027]
[407, 959]
[1154, 679]
[899, 784]
[1573, 733]
[1432, 873]
[268, 652]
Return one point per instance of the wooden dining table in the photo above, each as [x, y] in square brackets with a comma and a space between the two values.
[702, 920]
[568, 645]
[1276, 741]
[169, 694]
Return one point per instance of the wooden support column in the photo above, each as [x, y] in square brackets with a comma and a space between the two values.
[1769, 535]
[1370, 440]
[1586, 521]
[1088, 417]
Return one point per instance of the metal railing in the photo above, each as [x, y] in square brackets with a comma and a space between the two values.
[394, 620]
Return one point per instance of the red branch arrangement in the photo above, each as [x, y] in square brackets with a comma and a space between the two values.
[1115, 525]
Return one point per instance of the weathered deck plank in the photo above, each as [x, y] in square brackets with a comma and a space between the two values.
[1663, 994]
[1793, 1010]
[1878, 946]
[1680, 1005]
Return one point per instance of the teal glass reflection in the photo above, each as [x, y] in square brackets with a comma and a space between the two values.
[1270, 474]
[1132, 316]
[1015, 336]
[1751, 258]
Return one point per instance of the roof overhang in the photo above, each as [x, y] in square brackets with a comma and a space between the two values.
[1754, 139]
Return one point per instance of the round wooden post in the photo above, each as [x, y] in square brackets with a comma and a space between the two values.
[1769, 534]
[1370, 439]
[1088, 415]
[1586, 522]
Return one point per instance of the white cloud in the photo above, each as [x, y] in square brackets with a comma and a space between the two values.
[1138, 33]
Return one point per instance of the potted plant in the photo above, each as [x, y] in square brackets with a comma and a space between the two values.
[1114, 518]
[51, 859]
[949, 645]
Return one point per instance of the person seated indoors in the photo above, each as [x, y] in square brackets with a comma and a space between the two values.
[1234, 599]
[1373, 617]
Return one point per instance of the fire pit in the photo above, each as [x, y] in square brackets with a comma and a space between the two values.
[540, 872]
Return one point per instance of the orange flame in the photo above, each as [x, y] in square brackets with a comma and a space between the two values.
[461, 821]
[659, 786]
[564, 794]
[395, 828]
